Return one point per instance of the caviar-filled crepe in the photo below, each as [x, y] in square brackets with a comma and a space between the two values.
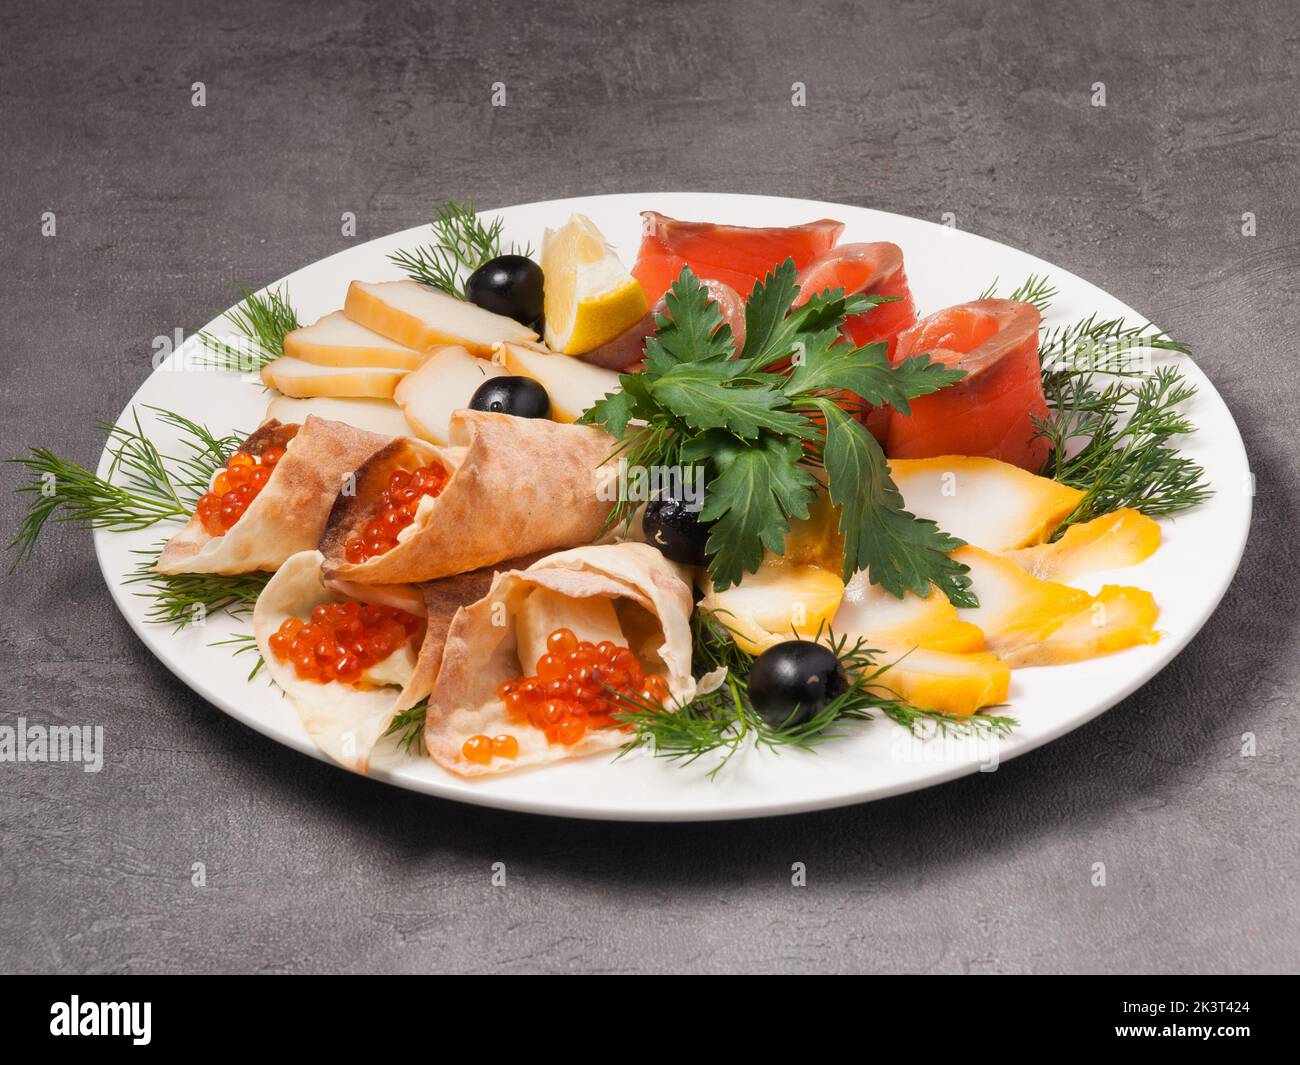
[349, 656]
[272, 499]
[526, 669]
[502, 488]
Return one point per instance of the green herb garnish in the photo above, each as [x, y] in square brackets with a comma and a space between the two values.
[462, 243]
[243, 643]
[143, 486]
[407, 727]
[181, 599]
[1112, 419]
[1126, 459]
[1036, 289]
[723, 720]
[762, 422]
[262, 320]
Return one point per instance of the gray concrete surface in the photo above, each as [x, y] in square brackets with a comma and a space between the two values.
[981, 108]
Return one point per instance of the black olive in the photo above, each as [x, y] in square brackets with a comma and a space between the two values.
[510, 285]
[793, 681]
[673, 527]
[521, 396]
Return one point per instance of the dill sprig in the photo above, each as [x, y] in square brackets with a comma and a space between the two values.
[407, 728]
[1112, 419]
[1126, 458]
[462, 243]
[243, 643]
[723, 720]
[181, 599]
[261, 320]
[1102, 345]
[143, 486]
[1036, 289]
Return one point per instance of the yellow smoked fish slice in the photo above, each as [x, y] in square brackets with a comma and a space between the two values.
[777, 602]
[934, 657]
[869, 611]
[941, 680]
[991, 504]
[1117, 618]
[1121, 538]
[1026, 621]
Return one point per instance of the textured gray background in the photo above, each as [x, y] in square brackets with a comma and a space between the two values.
[980, 108]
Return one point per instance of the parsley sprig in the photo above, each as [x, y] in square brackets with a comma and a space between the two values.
[770, 423]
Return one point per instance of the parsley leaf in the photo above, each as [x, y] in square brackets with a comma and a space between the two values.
[899, 551]
[693, 330]
[756, 491]
[827, 363]
[761, 423]
[700, 396]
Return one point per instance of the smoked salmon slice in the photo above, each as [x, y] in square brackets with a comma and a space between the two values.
[737, 256]
[873, 270]
[990, 412]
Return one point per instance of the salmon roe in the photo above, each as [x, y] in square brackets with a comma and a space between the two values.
[482, 749]
[397, 506]
[569, 693]
[342, 640]
[234, 488]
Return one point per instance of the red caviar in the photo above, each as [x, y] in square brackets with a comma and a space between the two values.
[342, 640]
[568, 694]
[397, 506]
[234, 488]
[482, 749]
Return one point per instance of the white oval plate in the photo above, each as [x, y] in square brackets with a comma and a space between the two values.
[1188, 575]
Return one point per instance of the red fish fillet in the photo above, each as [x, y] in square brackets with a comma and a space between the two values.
[874, 270]
[990, 411]
[737, 256]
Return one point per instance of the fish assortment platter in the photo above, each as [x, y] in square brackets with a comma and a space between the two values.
[674, 506]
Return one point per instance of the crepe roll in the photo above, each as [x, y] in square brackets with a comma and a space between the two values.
[492, 709]
[351, 657]
[501, 488]
[273, 498]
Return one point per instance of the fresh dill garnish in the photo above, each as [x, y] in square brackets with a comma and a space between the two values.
[1112, 418]
[722, 721]
[181, 599]
[1108, 345]
[243, 643]
[1126, 458]
[925, 724]
[1036, 289]
[407, 727]
[143, 486]
[462, 243]
[757, 420]
[261, 321]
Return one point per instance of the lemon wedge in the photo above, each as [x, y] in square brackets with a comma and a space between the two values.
[590, 297]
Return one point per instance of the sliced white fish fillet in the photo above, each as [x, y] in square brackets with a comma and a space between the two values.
[988, 503]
